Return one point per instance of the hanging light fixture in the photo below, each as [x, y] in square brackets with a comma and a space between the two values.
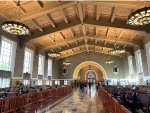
[16, 27]
[67, 62]
[54, 54]
[140, 17]
[117, 51]
[109, 61]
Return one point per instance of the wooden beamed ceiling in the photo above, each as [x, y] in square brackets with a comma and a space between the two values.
[68, 26]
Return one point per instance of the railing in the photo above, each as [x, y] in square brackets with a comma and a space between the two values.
[17, 104]
[110, 104]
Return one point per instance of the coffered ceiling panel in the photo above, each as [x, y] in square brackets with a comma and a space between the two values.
[77, 30]
[122, 12]
[101, 31]
[90, 30]
[90, 9]
[57, 37]
[106, 10]
[68, 33]
[30, 24]
[71, 11]
[114, 33]
[56, 16]
[62, 25]
[42, 20]
[30, 6]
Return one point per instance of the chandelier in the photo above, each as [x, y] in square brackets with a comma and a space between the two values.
[109, 61]
[67, 62]
[54, 54]
[16, 27]
[117, 51]
[140, 17]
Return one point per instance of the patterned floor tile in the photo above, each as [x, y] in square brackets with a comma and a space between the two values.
[80, 102]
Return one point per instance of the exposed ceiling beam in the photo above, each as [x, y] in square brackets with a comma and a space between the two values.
[62, 35]
[89, 21]
[44, 11]
[107, 31]
[82, 51]
[72, 33]
[87, 47]
[102, 38]
[120, 34]
[105, 42]
[51, 21]
[113, 4]
[112, 17]
[120, 41]
[100, 44]
[40, 3]
[133, 37]
[48, 30]
[21, 8]
[80, 12]
[63, 16]
[73, 50]
[37, 25]
[47, 46]
[97, 12]
[84, 29]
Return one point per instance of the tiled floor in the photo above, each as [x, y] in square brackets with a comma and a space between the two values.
[79, 102]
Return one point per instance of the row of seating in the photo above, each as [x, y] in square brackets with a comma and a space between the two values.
[110, 104]
[18, 104]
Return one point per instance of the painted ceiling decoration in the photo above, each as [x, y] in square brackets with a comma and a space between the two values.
[71, 28]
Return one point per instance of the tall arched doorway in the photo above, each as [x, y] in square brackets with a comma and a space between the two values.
[81, 71]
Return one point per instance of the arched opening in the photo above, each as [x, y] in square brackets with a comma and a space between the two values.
[91, 76]
[81, 71]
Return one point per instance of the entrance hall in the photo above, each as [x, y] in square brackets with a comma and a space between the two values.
[74, 56]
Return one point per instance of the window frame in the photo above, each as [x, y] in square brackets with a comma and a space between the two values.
[31, 60]
[139, 63]
[43, 62]
[13, 55]
[147, 49]
[49, 70]
[130, 65]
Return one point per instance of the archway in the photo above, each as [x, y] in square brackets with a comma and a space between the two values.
[87, 63]
[91, 76]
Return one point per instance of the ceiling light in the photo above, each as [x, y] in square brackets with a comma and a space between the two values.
[54, 54]
[109, 61]
[16, 27]
[117, 51]
[67, 62]
[140, 17]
